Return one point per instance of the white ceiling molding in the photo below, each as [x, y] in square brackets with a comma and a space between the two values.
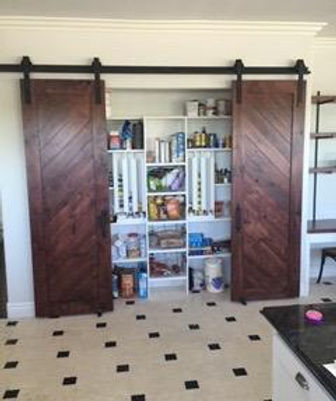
[203, 26]
[324, 42]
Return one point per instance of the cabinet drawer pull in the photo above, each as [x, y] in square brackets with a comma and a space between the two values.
[302, 381]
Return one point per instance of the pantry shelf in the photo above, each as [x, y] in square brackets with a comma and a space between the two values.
[224, 117]
[165, 164]
[168, 250]
[173, 181]
[216, 255]
[129, 260]
[167, 278]
[125, 151]
[209, 149]
[129, 222]
[165, 222]
[202, 219]
[168, 193]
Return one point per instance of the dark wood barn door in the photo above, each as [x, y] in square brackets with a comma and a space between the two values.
[268, 129]
[65, 143]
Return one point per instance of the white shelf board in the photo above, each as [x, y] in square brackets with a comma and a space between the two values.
[167, 117]
[111, 188]
[226, 184]
[168, 250]
[122, 118]
[209, 149]
[129, 260]
[125, 151]
[216, 255]
[207, 219]
[129, 222]
[224, 117]
[168, 193]
[167, 278]
[166, 222]
[165, 164]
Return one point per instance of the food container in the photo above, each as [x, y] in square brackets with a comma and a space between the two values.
[192, 108]
[214, 275]
[219, 209]
[173, 208]
[221, 107]
[133, 246]
[127, 285]
[114, 140]
[210, 107]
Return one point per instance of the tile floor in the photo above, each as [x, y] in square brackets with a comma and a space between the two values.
[174, 348]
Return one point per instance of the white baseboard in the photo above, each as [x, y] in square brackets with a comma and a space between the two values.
[20, 310]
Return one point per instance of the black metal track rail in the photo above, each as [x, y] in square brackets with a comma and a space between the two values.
[26, 67]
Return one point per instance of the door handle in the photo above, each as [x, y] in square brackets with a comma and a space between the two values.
[302, 381]
[104, 222]
[238, 218]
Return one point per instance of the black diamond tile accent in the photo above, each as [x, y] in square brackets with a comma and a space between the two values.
[211, 304]
[326, 300]
[170, 357]
[269, 399]
[11, 341]
[122, 368]
[230, 319]
[194, 326]
[99, 314]
[130, 302]
[10, 394]
[58, 333]
[110, 344]
[69, 381]
[101, 325]
[177, 310]
[139, 397]
[12, 323]
[140, 317]
[11, 365]
[154, 334]
[63, 354]
[191, 384]
[240, 372]
[214, 347]
[254, 337]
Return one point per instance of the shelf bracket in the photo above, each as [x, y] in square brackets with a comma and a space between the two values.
[26, 66]
[301, 71]
[96, 67]
[239, 68]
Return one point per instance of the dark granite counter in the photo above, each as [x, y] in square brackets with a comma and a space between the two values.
[315, 345]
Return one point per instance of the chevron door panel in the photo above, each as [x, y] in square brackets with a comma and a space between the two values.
[268, 147]
[65, 150]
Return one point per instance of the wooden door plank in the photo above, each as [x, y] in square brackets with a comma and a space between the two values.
[67, 179]
[267, 180]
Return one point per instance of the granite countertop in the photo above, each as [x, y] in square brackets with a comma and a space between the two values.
[315, 345]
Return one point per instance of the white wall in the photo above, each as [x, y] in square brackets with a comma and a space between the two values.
[324, 80]
[176, 44]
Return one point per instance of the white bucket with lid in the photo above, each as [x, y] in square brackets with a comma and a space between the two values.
[214, 275]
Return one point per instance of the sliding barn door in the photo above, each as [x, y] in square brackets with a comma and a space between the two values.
[65, 144]
[268, 127]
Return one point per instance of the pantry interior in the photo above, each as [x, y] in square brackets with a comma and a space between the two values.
[170, 165]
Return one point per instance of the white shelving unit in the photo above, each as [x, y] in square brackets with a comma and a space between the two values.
[163, 126]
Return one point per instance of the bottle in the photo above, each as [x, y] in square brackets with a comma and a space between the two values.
[143, 285]
[115, 286]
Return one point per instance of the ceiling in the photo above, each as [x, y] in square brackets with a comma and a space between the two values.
[260, 10]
